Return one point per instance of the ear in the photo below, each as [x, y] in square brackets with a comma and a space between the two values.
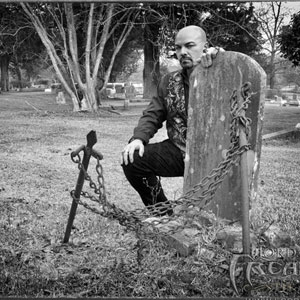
[205, 47]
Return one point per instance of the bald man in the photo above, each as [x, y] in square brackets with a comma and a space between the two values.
[144, 162]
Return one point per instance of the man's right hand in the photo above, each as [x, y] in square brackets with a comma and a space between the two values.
[129, 150]
[209, 55]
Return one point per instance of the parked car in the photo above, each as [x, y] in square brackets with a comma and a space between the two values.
[110, 90]
[56, 86]
[120, 90]
[293, 102]
[283, 102]
[139, 88]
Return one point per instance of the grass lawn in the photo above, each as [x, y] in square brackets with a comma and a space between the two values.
[37, 137]
[278, 118]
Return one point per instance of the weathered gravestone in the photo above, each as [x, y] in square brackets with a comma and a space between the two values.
[209, 119]
[208, 139]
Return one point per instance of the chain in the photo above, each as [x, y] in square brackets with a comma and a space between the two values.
[197, 197]
[155, 190]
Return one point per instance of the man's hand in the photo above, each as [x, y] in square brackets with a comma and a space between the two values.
[129, 150]
[208, 56]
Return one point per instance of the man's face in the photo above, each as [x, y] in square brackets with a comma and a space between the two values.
[189, 46]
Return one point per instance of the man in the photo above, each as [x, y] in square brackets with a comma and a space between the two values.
[143, 162]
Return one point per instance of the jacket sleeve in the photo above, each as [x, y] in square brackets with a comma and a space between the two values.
[153, 116]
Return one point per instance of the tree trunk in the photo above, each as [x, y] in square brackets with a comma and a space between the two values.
[90, 95]
[151, 62]
[272, 71]
[19, 75]
[75, 102]
[272, 78]
[4, 62]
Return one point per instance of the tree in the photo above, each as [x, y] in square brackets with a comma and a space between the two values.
[271, 16]
[289, 40]
[232, 26]
[21, 50]
[288, 73]
[62, 25]
[17, 42]
[126, 61]
[4, 63]
[151, 59]
[5, 46]
[28, 57]
[31, 64]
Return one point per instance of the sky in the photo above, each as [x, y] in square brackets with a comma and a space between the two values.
[294, 6]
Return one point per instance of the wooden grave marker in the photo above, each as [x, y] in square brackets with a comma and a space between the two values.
[209, 120]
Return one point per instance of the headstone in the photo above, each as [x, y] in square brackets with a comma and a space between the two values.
[129, 91]
[126, 103]
[84, 104]
[60, 98]
[209, 119]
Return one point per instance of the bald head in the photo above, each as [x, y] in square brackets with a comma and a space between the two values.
[190, 42]
[192, 31]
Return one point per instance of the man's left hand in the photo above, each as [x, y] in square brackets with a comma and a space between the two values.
[208, 56]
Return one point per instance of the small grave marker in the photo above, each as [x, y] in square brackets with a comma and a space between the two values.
[60, 98]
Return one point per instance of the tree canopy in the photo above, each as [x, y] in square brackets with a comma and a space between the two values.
[232, 26]
[289, 40]
[271, 16]
[20, 45]
[90, 44]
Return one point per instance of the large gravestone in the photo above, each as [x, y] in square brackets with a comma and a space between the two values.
[209, 119]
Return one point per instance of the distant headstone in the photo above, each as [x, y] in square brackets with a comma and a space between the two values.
[84, 105]
[126, 103]
[60, 98]
[209, 119]
[130, 91]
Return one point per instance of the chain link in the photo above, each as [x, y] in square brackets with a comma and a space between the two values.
[197, 197]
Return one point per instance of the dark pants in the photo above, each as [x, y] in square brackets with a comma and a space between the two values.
[160, 159]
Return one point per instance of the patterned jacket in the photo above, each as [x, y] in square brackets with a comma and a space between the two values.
[170, 105]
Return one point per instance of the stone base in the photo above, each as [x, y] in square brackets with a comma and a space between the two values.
[183, 240]
[186, 240]
[231, 238]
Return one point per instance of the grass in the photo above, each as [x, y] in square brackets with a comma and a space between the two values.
[277, 118]
[101, 258]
